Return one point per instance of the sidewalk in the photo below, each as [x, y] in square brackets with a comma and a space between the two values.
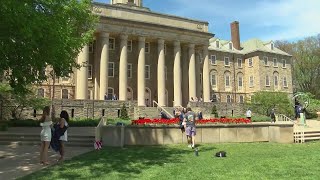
[18, 161]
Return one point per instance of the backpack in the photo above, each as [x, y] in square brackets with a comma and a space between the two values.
[221, 154]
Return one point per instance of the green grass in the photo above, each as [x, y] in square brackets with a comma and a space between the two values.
[243, 161]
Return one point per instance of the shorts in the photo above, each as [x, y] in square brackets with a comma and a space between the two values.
[191, 131]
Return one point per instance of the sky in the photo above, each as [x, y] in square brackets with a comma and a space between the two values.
[290, 20]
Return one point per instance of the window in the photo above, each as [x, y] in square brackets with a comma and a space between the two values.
[226, 61]
[227, 80]
[284, 63]
[213, 60]
[228, 99]
[265, 59]
[165, 49]
[89, 71]
[250, 63]
[91, 48]
[147, 72]
[200, 78]
[285, 84]
[214, 98]
[239, 63]
[241, 100]
[217, 44]
[240, 83]
[64, 94]
[213, 80]
[276, 81]
[110, 93]
[111, 69]
[41, 92]
[230, 46]
[112, 44]
[267, 80]
[166, 72]
[275, 62]
[147, 47]
[129, 45]
[129, 70]
[200, 57]
[272, 46]
[90, 94]
[251, 81]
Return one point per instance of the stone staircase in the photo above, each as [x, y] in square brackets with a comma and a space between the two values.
[310, 132]
[77, 136]
[152, 112]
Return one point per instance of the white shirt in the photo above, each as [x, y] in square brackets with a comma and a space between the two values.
[248, 113]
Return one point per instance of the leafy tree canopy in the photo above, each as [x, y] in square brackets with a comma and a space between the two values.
[35, 34]
[263, 101]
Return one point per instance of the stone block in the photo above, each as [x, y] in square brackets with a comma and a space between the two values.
[210, 135]
[228, 134]
[172, 136]
[245, 134]
[112, 136]
[260, 134]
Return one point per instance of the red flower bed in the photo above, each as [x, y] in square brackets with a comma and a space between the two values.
[202, 121]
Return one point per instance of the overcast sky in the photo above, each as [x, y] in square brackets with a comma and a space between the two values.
[264, 19]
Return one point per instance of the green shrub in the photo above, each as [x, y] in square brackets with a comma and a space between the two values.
[124, 112]
[24, 123]
[214, 111]
[3, 126]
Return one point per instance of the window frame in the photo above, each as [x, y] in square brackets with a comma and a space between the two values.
[147, 47]
[112, 43]
[43, 91]
[215, 80]
[285, 82]
[225, 81]
[226, 57]
[228, 99]
[240, 88]
[267, 81]
[148, 72]
[90, 75]
[112, 69]
[129, 73]
[284, 63]
[241, 99]
[266, 60]
[275, 62]
[215, 59]
[62, 90]
[239, 60]
[251, 81]
[129, 44]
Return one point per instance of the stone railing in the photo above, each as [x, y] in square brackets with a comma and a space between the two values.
[120, 136]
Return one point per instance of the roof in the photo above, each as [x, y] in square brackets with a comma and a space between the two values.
[253, 45]
[249, 46]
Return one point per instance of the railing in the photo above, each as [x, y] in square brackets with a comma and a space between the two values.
[162, 109]
[281, 117]
[102, 123]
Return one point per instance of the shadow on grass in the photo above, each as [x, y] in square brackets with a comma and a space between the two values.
[124, 163]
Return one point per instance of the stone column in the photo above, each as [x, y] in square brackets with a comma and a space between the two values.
[123, 72]
[104, 60]
[82, 74]
[177, 75]
[141, 72]
[192, 73]
[206, 75]
[96, 70]
[161, 74]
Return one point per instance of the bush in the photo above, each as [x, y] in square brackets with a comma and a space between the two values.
[214, 111]
[3, 126]
[24, 123]
[124, 112]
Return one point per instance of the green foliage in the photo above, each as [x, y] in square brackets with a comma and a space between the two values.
[24, 123]
[124, 112]
[35, 34]
[3, 126]
[262, 102]
[214, 111]
[84, 122]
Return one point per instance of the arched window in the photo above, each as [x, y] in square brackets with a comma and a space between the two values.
[227, 80]
[213, 79]
[240, 81]
[40, 92]
[64, 94]
[228, 99]
[276, 80]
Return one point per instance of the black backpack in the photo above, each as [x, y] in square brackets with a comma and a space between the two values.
[221, 154]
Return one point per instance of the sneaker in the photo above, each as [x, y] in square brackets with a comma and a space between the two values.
[193, 146]
[189, 146]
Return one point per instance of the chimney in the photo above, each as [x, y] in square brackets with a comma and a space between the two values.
[235, 35]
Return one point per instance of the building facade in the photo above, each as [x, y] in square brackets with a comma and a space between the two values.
[141, 55]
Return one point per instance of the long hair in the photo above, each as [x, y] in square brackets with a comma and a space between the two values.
[45, 113]
[64, 114]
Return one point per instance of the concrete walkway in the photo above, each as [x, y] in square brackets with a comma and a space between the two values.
[18, 161]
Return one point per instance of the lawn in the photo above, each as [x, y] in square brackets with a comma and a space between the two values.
[243, 161]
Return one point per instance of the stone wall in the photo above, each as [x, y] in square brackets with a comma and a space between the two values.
[120, 136]
[223, 109]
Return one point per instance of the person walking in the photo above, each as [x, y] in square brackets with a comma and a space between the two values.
[190, 123]
[45, 135]
[63, 124]
[273, 115]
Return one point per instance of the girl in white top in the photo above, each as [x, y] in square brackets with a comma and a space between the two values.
[45, 135]
[64, 119]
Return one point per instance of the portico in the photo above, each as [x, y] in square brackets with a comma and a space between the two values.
[144, 52]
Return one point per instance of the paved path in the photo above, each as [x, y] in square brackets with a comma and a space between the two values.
[18, 161]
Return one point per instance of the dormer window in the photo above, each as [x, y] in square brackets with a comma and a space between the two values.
[217, 44]
[230, 46]
[272, 46]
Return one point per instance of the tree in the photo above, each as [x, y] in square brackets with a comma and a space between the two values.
[124, 112]
[262, 102]
[306, 63]
[35, 34]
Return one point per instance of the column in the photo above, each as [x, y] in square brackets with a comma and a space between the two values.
[141, 72]
[192, 73]
[177, 74]
[206, 76]
[82, 74]
[123, 68]
[161, 74]
[104, 61]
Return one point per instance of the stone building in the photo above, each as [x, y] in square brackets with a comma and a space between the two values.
[138, 54]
